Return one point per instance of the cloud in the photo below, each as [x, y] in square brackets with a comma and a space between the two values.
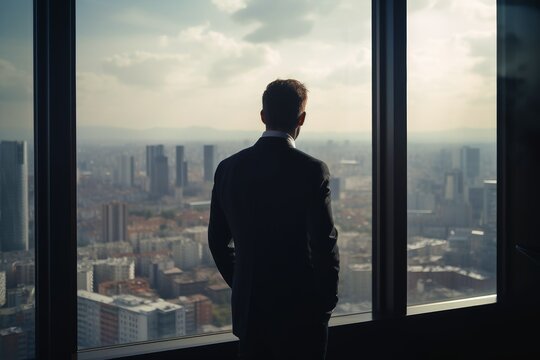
[351, 71]
[282, 19]
[225, 57]
[15, 84]
[195, 57]
[229, 6]
[143, 68]
[137, 18]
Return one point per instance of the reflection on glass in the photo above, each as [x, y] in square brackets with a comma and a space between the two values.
[166, 90]
[452, 156]
[17, 267]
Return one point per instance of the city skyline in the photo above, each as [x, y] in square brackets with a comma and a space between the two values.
[451, 238]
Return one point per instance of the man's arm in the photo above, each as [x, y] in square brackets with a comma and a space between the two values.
[323, 236]
[219, 235]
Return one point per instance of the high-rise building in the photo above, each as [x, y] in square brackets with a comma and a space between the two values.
[159, 178]
[186, 254]
[180, 176]
[2, 288]
[125, 172]
[453, 185]
[470, 164]
[152, 151]
[157, 170]
[112, 269]
[489, 217]
[93, 320]
[114, 222]
[444, 161]
[13, 196]
[156, 264]
[185, 180]
[104, 320]
[209, 162]
[475, 198]
[85, 277]
[198, 311]
[132, 170]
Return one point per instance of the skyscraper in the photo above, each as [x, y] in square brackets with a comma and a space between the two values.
[470, 164]
[125, 172]
[152, 151]
[490, 205]
[185, 181]
[453, 185]
[13, 196]
[209, 159]
[114, 222]
[157, 170]
[159, 178]
[132, 170]
[180, 177]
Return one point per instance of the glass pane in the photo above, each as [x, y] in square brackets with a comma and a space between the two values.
[452, 155]
[17, 267]
[165, 91]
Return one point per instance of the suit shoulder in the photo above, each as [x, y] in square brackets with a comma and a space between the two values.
[312, 162]
[238, 156]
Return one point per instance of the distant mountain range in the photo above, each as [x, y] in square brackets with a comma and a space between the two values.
[109, 134]
[91, 134]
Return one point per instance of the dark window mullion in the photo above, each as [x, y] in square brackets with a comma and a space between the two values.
[503, 245]
[54, 58]
[389, 159]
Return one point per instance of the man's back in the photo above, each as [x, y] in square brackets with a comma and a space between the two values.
[276, 203]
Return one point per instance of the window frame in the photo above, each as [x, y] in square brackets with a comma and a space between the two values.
[55, 169]
[56, 207]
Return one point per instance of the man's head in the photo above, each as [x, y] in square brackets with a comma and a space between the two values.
[284, 103]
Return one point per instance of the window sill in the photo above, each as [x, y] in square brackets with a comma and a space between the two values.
[451, 305]
[156, 346]
[119, 351]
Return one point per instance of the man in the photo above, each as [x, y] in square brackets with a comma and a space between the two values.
[272, 236]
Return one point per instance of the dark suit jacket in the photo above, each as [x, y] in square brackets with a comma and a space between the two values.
[273, 202]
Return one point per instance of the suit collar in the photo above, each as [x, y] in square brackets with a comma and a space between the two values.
[280, 134]
[274, 141]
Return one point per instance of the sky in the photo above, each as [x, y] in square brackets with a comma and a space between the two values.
[172, 64]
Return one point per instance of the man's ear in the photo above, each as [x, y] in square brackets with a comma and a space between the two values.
[262, 117]
[301, 118]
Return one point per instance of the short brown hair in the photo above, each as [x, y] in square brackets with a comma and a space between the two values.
[283, 101]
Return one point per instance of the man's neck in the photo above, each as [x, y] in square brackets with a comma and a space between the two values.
[291, 133]
[281, 134]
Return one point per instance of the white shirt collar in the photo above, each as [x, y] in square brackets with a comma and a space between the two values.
[281, 134]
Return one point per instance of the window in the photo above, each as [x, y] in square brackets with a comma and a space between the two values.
[451, 155]
[138, 203]
[166, 90]
[17, 265]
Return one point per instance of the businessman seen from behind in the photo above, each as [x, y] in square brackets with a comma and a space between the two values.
[272, 236]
